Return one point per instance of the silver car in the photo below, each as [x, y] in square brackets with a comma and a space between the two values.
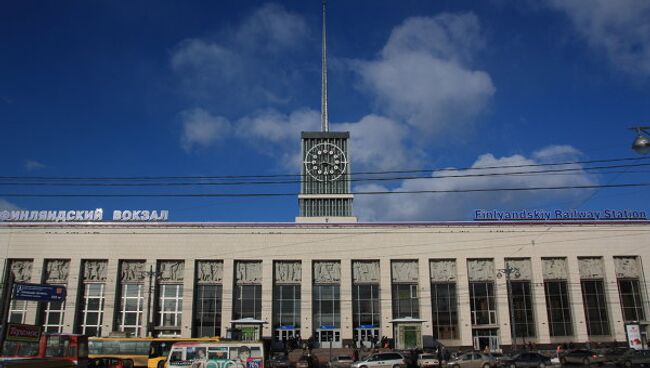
[382, 360]
[473, 359]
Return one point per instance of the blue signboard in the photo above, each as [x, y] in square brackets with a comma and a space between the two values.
[288, 327]
[327, 327]
[39, 292]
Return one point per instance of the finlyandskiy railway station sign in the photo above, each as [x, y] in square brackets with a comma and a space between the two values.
[82, 215]
[559, 215]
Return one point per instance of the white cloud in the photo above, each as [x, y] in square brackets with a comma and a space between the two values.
[423, 75]
[621, 28]
[271, 28]
[31, 165]
[437, 206]
[202, 129]
[8, 206]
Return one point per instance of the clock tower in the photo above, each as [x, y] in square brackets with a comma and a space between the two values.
[325, 189]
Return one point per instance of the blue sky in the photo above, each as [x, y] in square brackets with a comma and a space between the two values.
[161, 88]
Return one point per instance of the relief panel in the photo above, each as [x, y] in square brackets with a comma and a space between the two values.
[209, 272]
[405, 271]
[56, 271]
[481, 269]
[171, 271]
[94, 270]
[327, 272]
[132, 271]
[21, 269]
[627, 267]
[288, 272]
[248, 272]
[523, 265]
[591, 268]
[365, 272]
[555, 269]
[443, 270]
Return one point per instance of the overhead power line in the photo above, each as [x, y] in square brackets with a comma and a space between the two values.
[427, 170]
[202, 195]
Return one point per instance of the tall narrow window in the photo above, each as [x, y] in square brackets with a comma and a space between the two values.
[287, 276]
[90, 313]
[207, 299]
[558, 308]
[593, 295]
[522, 299]
[443, 298]
[132, 294]
[406, 300]
[247, 295]
[170, 297]
[628, 273]
[482, 300]
[51, 313]
[366, 317]
[22, 272]
[326, 302]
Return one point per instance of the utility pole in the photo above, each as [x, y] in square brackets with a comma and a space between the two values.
[507, 272]
[151, 274]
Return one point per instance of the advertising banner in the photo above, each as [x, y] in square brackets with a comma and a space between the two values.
[634, 336]
[39, 292]
[25, 333]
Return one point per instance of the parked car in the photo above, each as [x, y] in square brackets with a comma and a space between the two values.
[582, 356]
[634, 357]
[305, 361]
[614, 354]
[427, 360]
[279, 360]
[473, 359]
[500, 358]
[527, 360]
[341, 361]
[380, 360]
[110, 363]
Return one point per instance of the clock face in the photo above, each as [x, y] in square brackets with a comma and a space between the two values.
[325, 162]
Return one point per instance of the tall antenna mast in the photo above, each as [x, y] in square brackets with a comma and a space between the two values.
[324, 120]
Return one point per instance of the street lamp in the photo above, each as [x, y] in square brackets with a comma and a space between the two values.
[151, 274]
[507, 272]
[641, 144]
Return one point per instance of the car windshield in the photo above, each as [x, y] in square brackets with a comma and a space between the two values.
[427, 356]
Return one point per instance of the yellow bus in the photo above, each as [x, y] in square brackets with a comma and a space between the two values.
[146, 352]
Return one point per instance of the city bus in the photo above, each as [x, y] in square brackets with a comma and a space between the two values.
[234, 354]
[51, 347]
[146, 352]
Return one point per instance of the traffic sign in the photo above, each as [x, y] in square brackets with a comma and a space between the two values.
[39, 292]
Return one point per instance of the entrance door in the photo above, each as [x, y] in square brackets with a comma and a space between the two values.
[329, 338]
[486, 339]
[285, 335]
[365, 336]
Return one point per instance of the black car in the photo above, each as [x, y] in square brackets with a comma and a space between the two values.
[526, 360]
[613, 355]
[582, 356]
[279, 361]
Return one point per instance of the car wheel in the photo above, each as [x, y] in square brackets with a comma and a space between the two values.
[541, 365]
[397, 366]
[486, 365]
[586, 361]
[513, 365]
[627, 363]
[161, 364]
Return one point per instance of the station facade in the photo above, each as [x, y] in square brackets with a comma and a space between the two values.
[346, 283]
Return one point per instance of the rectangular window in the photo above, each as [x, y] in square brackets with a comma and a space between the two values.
[248, 302]
[365, 305]
[405, 300]
[131, 307]
[522, 309]
[595, 303]
[482, 303]
[445, 310]
[558, 308]
[631, 299]
[52, 316]
[326, 301]
[92, 309]
[207, 311]
[286, 306]
[170, 306]
[17, 311]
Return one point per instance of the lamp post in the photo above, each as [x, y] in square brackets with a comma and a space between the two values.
[151, 274]
[641, 143]
[507, 272]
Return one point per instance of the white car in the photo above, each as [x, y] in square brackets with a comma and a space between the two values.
[427, 360]
[382, 360]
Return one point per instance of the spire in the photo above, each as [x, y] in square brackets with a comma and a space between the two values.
[324, 120]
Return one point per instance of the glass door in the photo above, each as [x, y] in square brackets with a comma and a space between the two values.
[486, 339]
[366, 336]
[329, 338]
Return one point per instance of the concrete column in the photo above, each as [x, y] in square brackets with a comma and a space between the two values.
[503, 310]
[575, 297]
[36, 277]
[111, 297]
[539, 302]
[306, 328]
[464, 308]
[72, 298]
[188, 297]
[226, 302]
[149, 287]
[346, 299]
[424, 296]
[385, 297]
[267, 297]
[616, 321]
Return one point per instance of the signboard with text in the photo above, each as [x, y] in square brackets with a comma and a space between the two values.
[559, 215]
[39, 292]
[634, 336]
[25, 333]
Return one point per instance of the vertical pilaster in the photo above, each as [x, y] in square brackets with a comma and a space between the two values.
[385, 297]
[36, 277]
[426, 312]
[111, 296]
[616, 321]
[267, 297]
[575, 296]
[306, 328]
[503, 309]
[539, 302]
[464, 310]
[346, 299]
[226, 302]
[188, 297]
[149, 313]
[72, 299]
